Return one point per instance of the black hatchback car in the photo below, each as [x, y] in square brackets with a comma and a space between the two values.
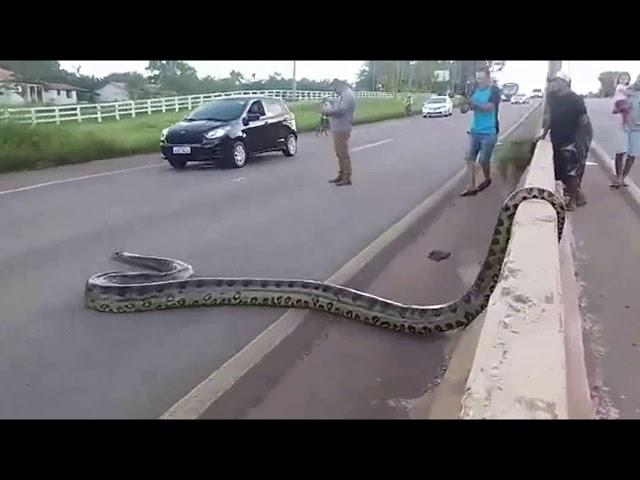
[230, 130]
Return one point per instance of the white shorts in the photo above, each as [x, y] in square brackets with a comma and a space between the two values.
[629, 142]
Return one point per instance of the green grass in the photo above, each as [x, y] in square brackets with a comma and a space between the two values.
[25, 147]
[513, 158]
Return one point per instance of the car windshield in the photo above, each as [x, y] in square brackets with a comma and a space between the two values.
[220, 110]
[509, 88]
[437, 100]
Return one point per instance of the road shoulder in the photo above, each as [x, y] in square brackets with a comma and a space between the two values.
[607, 253]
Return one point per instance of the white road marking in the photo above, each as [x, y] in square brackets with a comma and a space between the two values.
[371, 145]
[73, 179]
[115, 172]
[241, 179]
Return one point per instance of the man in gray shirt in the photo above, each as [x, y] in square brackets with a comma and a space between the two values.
[340, 113]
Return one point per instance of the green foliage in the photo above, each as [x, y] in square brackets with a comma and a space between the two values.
[136, 83]
[36, 70]
[513, 157]
[414, 75]
[172, 78]
[608, 83]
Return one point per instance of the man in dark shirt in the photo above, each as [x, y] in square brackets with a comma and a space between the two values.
[570, 128]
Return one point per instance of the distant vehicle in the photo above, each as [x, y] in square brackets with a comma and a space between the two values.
[519, 99]
[509, 90]
[439, 105]
[537, 93]
[231, 129]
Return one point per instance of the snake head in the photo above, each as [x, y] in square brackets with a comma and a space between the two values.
[117, 253]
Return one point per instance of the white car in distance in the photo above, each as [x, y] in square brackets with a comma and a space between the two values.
[519, 99]
[537, 93]
[437, 106]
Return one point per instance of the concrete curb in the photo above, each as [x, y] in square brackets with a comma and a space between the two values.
[579, 396]
[362, 267]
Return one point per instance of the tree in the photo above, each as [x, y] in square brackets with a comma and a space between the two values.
[364, 79]
[236, 77]
[36, 70]
[174, 76]
[608, 83]
[136, 83]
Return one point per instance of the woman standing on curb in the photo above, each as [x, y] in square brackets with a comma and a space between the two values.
[629, 136]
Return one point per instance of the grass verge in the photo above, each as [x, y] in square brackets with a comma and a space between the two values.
[512, 158]
[23, 147]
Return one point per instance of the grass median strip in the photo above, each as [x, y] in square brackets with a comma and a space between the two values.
[513, 157]
[24, 147]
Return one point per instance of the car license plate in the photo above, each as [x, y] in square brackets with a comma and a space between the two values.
[182, 150]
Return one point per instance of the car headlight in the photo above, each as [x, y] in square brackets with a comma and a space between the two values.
[215, 133]
[163, 134]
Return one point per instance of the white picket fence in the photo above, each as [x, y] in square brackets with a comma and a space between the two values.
[130, 109]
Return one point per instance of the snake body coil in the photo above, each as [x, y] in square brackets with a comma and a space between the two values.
[171, 286]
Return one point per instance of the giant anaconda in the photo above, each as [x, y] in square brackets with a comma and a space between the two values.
[171, 286]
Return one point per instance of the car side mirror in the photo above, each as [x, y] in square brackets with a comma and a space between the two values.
[252, 117]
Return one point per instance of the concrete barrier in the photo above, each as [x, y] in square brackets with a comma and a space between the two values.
[520, 366]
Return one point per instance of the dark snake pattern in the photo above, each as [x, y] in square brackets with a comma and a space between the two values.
[171, 285]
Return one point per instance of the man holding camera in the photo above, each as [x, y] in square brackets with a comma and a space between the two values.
[340, 113]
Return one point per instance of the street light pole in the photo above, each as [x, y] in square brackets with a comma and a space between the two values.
[411, 65]
[294, 85]
[554, 67]
[372, 75]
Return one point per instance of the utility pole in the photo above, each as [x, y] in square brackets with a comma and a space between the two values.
[372, 75]
[294, 85]
[411, 66]
[554, 67]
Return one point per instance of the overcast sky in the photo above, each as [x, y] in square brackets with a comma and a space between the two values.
[529, 74]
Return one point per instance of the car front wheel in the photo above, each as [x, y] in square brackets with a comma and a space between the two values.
[290, 145]
[237, 156]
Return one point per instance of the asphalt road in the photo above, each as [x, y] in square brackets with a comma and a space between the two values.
[605, 124]
[276, 217]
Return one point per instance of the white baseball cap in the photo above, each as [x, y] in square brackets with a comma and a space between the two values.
[563, 76]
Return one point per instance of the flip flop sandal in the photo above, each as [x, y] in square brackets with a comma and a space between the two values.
[614, 186]
[484, 185]
[469, 193]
